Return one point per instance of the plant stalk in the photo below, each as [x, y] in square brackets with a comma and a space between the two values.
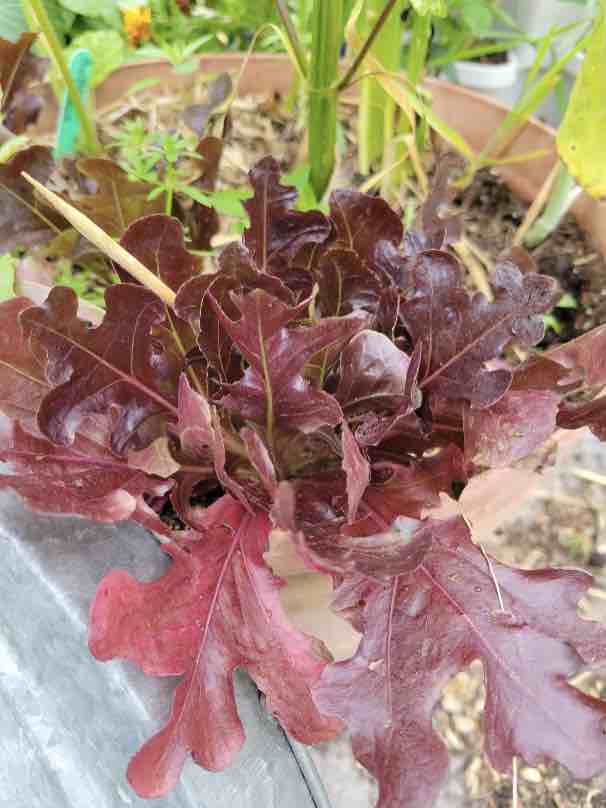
[419, 46]
[293, 37]
[564, 193]
[56, 52]
[361, 55]
[327, 38]
[377, 111]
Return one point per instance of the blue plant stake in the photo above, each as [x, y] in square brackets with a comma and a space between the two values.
[68, 129]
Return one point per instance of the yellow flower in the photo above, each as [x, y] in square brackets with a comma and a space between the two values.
[137, 24]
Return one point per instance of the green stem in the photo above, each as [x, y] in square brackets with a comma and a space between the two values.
[169, 190]
[293, 37]
[327, 37]
[419, 46]
[357, 62]
[377, 111]
[563, 195]
[54, 46]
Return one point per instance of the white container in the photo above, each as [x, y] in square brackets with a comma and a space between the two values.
[499, 81]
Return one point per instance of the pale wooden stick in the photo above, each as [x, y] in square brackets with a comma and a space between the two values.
[105, 243]
[590, 476]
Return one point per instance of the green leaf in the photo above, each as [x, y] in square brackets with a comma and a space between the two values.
[477, 16]
[299, 178]
[436, 8]
[90, 8]
[567, 301]
[107, 49]
[228, 202]
[12, 21]
[581, 142]
[196, 194]
[9, 149]
[61, 19]
[156, 193]
[7, 277]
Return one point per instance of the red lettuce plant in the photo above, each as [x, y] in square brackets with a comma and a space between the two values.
[333, 378]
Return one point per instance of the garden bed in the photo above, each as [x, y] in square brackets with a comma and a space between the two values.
[493, 207]
[491, 216]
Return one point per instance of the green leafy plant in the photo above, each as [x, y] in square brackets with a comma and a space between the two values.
[472, 29]
[170, 163]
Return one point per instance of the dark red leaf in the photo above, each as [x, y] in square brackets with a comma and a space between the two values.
[408, 490]
[237, 273]
[571, 365]
[396, 551]
[277, 232]
[260, 458]
[84, 479]
[511, 429]
[198, 115]
[22, 380]
[367, 226]
[357, 471]
[373, 373]
[586, 353]
[210, 149]
[460, 333]
[24, 220]
[201, 439]
[215, 610]
[117, 367]
[276, 357]
[346, 283]
[422, 628]
[432, 231]
[590, 413]
[157, 241]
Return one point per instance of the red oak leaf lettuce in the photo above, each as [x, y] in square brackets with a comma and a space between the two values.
[421, 628]
[273, 386]
[460, 332]
[215, 609]
[331, 376]
[117, 366]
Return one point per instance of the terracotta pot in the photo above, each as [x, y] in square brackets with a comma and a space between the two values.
[476, 117]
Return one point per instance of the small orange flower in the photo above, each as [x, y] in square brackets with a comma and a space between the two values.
[137, 24]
